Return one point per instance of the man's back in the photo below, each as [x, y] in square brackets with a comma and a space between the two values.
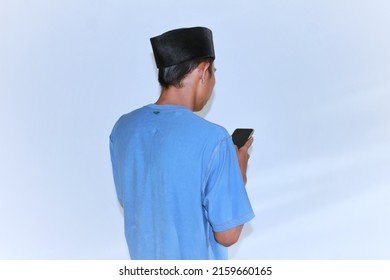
[178, 179]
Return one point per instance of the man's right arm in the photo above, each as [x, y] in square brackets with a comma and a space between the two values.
[231, 236]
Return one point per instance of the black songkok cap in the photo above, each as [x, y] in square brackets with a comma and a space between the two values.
[181, 45]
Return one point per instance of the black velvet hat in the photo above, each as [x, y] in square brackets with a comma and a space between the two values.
[181, 45]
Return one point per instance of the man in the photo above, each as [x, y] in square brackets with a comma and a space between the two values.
[178, 177]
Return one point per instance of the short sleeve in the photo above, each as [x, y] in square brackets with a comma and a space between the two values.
[115, 172]
[225, 200]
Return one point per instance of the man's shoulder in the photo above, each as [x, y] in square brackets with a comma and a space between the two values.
[128, 119]
[132, 115]
[206, 131]
[185, 120]
[214, 128]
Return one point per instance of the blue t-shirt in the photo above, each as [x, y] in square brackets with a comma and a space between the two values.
[178, 180]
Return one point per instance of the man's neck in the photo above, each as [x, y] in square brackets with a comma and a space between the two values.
[177, 96]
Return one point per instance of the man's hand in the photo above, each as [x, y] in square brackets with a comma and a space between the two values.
[243, 157]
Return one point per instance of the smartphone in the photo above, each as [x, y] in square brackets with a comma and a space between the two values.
[241, 135]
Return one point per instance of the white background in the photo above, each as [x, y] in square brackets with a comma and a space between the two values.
[311, 77]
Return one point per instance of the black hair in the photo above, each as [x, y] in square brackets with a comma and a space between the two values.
[173, 75]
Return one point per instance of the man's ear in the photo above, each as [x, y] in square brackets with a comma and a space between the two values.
[203, 69]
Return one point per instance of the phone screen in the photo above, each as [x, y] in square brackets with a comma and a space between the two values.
[241, 135]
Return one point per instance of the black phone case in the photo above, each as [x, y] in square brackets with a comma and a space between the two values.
[241, 135]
